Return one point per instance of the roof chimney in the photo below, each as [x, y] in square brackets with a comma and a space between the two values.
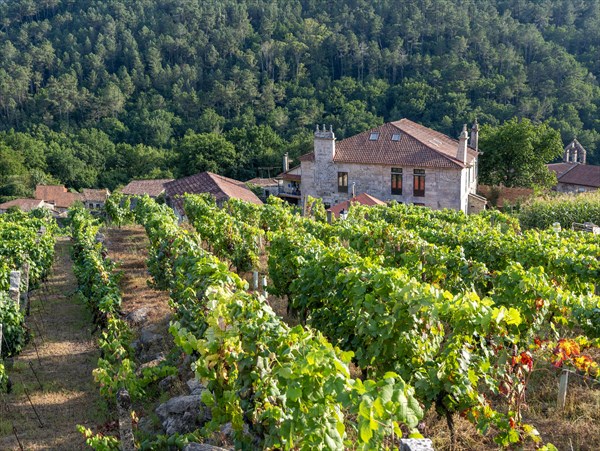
[286, 162]
[324, 144]
[475, 135]
[462, 145]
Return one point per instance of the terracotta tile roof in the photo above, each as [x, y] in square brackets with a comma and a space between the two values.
[363, 199]
[222, 188]
[49, 191]
[57, 195]
[95, 195]
[262, 182]
[152, 188]
[561, 168]
[23, 204]
[292, 174]
[291, 177]
[582, 174]
[417, 146]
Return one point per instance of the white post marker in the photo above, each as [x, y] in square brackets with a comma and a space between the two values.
[562, 389]
[264, 285]
[25, 294]
[15, 286]
[255, 280]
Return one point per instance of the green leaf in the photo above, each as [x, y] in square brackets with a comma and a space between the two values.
[513, 317]
[207, 398]
[378, 408]
[365, 431]
[386, 393]
[364, 409]
[294, 393]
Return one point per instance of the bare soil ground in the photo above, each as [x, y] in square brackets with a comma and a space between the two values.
[127, 246]
[62, 326]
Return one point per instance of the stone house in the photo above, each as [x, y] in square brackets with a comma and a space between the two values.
[221, 188]
[401, 161]
[268, 186]
[26, 205]
[573, 174]
[94, 199]
[57, 195]
[152, 188]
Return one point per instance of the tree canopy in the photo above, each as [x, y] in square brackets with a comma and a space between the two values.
[147, 72]
[516, 152]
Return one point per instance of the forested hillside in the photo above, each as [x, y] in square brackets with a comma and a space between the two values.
[95, 92]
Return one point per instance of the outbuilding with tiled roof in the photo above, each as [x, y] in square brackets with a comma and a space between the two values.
[152, 188]
[24, 204]
[94, 199]
[57, 195]
[361, 199]
[222, 188]
[573, 174]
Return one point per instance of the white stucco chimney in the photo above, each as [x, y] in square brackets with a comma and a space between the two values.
[286, 162]
[324, 144]
[475, 135]
[462, 145]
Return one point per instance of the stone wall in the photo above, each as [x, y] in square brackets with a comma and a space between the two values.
[570, 188]
[442, 186]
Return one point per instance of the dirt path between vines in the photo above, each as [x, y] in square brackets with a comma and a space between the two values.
[68, 353]
[128, 247]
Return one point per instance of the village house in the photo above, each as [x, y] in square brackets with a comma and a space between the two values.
[57, 195]
[26, 205]
[401, 161]
[289, 182]
[94, 199]
[154, 188]
[341, 209]
[573, 174]
[221, 188]
[268, 186]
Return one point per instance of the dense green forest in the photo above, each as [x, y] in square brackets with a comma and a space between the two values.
[96, 92]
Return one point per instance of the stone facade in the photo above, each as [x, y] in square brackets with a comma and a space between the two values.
[442, 186]
[574, 188]
[445, 187]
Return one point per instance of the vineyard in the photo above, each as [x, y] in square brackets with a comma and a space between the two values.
[439, 309]
[26, 246]
[464, 309]
[363, 328]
